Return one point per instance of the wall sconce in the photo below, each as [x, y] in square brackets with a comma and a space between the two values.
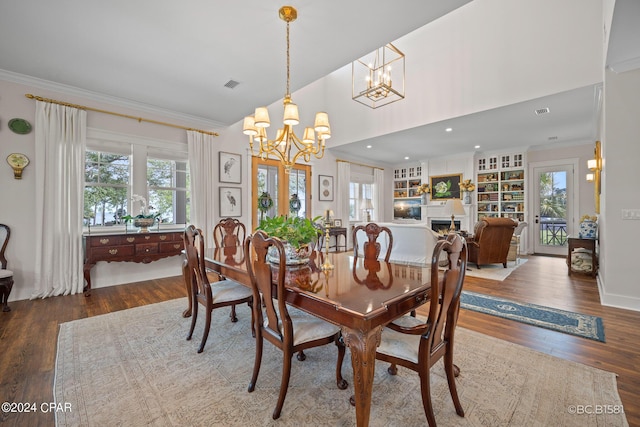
[595, 166]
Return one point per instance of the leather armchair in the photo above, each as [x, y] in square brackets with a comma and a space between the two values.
[491, 240]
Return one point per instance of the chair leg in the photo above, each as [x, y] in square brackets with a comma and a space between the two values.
[284, 384]
[257, 362]
[301, 356]
[425, 387]
[450, 370]
[205, 334]
[392, 369]
[253, 323]
[194, 316]
[232, 315]
[340, 382]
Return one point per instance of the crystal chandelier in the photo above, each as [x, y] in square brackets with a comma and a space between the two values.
[371, 80]
[287, 147]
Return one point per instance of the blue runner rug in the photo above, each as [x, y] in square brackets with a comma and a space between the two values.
[582, 325]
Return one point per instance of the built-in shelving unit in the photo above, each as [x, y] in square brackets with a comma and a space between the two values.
[501, 186]
[406, 199]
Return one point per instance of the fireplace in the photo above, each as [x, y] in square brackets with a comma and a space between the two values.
[442, 226]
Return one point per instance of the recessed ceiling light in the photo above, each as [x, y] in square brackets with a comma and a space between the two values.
[368, 146]
[448, 129]
[476, 147]
[406, 157]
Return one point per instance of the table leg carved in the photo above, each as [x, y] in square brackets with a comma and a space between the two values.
[363, 346]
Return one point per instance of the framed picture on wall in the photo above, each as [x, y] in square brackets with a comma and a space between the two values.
[230, 167]
[230, 202]
[325, 188]
[337, 223]
[445, 187]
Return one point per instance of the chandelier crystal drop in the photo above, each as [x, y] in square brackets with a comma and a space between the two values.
[287, 146]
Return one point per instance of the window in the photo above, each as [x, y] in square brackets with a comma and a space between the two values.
[359, 193]
[118, 166]
[107, 177]
[169, 185]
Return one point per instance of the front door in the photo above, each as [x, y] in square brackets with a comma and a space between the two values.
[552, 208]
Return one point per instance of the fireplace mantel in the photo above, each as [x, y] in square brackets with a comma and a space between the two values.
[435, 211]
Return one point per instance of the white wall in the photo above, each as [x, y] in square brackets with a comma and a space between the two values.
[618, 277]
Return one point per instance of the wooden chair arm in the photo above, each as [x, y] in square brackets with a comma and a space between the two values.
[413, 330]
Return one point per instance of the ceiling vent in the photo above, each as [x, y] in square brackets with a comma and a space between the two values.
[542, 111]
[231, 84]
[553, 138]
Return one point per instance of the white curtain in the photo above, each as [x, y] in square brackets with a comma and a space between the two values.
[378, 191]
[60, 145]
[342, 195]
[202, 168]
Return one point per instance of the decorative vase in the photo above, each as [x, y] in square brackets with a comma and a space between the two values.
[143, 224]
[424, 199]
[466, 198]
[588, 229]
[293, 256]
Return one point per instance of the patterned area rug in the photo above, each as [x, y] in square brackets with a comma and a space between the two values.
[494, 271]
[582, 325]
[135, 368]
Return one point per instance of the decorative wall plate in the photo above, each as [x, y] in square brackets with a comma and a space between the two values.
[18, 162]
[20, 126]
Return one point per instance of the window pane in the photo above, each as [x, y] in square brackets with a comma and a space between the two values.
[107, 181]
[168, 182]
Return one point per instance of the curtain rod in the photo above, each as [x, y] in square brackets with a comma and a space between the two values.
[97, 110]
[360, 164]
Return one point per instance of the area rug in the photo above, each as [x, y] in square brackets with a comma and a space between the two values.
[494, 271]
[135, 368]
[582, 325]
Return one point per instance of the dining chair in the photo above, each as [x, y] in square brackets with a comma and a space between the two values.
[418, 344]
[6, 276]
[229, 232]
[371, 248]
[289, 329]
[211, 295]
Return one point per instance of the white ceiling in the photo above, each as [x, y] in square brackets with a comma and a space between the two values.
[177, 57]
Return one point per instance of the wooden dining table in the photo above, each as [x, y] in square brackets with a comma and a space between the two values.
[359, 296]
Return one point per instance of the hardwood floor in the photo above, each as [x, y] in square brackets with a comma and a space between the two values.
[28, 334]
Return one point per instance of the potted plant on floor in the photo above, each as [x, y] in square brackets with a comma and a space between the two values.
[296, 233]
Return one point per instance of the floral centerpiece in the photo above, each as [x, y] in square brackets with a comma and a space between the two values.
[424, 191]
[145, 218]
[467, 187]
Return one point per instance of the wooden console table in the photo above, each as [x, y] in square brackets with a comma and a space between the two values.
[128, 247]
[336, 232]
[589, 244]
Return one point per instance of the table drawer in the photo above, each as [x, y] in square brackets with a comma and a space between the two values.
[171, 247]
[146, 248]
[98, 241]
[112, 252]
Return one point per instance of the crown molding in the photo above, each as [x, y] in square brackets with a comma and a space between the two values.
[195, 121]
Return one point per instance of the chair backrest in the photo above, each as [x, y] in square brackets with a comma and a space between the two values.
[229, 232]
[371, 248]
[278, 323]
[194, 249]
[5, 233]
[493, 238]
[445, 292]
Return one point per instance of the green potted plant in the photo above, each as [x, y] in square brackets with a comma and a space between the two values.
[295, 232]
[145, 218]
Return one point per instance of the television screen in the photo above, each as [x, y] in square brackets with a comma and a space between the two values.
[407, 209]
